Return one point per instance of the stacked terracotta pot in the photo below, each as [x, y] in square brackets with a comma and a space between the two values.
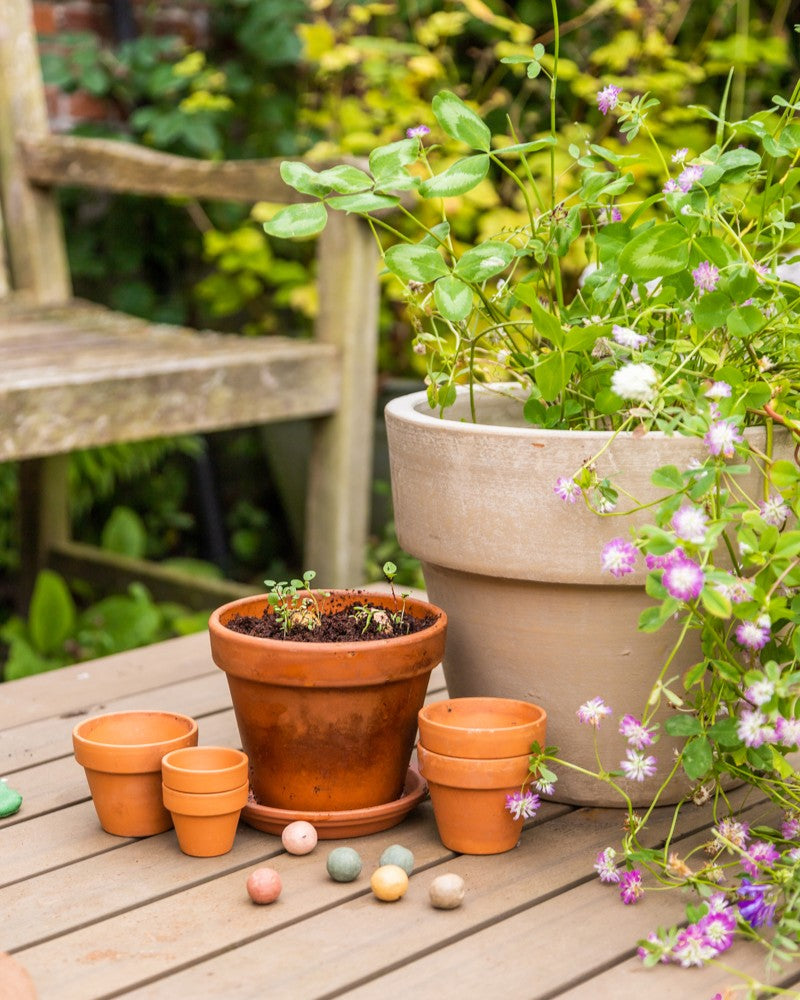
[205, 789]
[473, 752]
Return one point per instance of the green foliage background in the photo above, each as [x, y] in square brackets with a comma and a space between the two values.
[322, 78]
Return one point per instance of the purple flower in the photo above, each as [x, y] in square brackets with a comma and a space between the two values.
[683, 579]
[718, 390]
[670, 186]
[606, 866]
[753, 904]
[718, 929]
[689, 176]
[522, 804]
[662, 562]
[774, 510]
[692, 947]
[626, 337]
[735, 591]
[680, 155]
[608, 97]
[753, 635]
[543, 786]
[787, 731]
[417, 132]
[637, 767]
[591, 712]
[630, 887]
[689, 524]
[705, 276]
[619, 557]
[721, 437]
[660, 948]
[733, 831]
[760, 691]
[567, 489]
[760, 854]
[790, 827]
[718, 902]
[637, 735]
[752, 728]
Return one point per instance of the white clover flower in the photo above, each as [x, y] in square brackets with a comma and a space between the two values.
[635, 381]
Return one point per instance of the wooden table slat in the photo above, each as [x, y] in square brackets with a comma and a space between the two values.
[96, 916]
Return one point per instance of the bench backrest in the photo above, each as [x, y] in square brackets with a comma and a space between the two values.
[34, 161]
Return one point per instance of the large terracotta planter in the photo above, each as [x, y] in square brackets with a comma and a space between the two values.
[121, 754]
[475, 503]
[327, 726]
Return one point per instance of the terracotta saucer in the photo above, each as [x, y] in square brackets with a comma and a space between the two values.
[343, 823]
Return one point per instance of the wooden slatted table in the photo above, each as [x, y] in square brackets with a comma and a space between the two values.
[90, 915]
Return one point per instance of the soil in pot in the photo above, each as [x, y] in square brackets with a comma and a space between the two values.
[362, 621]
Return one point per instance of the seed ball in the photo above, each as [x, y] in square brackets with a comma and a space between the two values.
[447, 891]
[344, 864]
[299, 837]
[398, 855]
[264, 885]
[389, 882]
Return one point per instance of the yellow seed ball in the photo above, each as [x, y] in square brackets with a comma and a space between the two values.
[389, 882]
[447, 891]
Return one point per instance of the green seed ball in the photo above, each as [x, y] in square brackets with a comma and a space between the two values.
[344, 864]
[400, 856]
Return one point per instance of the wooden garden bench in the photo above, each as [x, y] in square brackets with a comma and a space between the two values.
[76, 375]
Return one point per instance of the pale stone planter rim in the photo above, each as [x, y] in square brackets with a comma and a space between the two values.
[480, 497]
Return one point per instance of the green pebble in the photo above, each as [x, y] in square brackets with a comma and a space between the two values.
[344, 864]
[10, 801]
[398, 855]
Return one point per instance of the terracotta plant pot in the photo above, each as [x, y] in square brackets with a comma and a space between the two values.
[469, 796]
[206, 822]
[481, 727]
[475, 503]
[327, 726]
[204, 769]
[121, 753]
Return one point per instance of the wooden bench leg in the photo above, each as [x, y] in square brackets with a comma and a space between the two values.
[43, 516]
[340, 476]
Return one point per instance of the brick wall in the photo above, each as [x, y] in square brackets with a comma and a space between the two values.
[187, 18]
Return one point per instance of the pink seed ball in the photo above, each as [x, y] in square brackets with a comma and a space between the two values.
[264, 885]
[299, 837]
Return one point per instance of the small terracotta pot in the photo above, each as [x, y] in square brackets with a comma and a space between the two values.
[481, 727]
[121, 754]
[206, 822]
[204, 769]
[469, 796]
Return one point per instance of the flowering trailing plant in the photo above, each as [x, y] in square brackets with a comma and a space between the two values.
[685, 320]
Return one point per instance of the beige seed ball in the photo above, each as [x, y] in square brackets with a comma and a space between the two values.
[389, 882]
[299, 837]
[264, 885]
[447, 891]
